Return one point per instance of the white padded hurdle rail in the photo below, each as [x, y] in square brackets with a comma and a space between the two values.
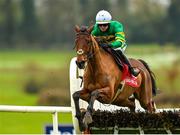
[38, 109]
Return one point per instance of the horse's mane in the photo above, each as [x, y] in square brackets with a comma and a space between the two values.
[83, 31]
[109, 51]
[94, 42]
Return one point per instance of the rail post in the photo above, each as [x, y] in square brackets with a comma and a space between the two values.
[55, 123]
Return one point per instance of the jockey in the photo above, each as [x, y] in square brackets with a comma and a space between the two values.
[113, 33]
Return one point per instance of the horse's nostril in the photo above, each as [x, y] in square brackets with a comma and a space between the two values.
[80, 64]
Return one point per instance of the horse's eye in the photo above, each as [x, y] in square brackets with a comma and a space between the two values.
[80, 51]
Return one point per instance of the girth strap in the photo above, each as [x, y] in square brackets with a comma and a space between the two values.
[118, 91]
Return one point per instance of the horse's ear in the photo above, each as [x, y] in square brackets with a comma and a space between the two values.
[90, 28]
[77, 29]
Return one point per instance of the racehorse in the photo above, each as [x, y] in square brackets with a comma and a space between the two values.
[102, 79]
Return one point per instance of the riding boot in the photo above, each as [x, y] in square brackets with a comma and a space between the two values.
[126, 61]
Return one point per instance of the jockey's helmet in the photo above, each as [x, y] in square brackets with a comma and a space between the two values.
[103, 17]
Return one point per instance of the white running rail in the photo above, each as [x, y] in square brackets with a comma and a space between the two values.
[32, 109]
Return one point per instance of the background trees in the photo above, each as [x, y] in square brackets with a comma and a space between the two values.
[49, 23]
[173, 17]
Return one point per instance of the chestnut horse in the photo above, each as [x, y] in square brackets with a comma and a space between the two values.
[102, 79]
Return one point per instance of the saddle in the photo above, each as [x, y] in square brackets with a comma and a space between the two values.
[102, 40]
[126, 76]
[115, 56]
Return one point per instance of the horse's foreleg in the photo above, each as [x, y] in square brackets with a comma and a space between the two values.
[94, 95]
[76, 96]
[88, 116]
[126, 103]
[102, 93]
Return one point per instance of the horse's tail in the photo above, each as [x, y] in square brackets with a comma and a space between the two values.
[154, 87]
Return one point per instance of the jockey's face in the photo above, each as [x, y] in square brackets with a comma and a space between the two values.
[103, 27]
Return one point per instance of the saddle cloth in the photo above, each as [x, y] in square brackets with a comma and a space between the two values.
[129, 78]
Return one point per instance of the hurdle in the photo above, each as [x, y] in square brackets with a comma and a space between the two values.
[76, 84]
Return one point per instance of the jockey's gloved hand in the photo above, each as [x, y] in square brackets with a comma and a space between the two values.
[106, 45]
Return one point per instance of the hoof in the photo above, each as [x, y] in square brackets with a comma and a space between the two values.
[154, 106]
[81, 124]
[151, 107]
[132, 109]
[82, 110]
[86, 131]
[82, 127]
[132, 99]
[87, 119]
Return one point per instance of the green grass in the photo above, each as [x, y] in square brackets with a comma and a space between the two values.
[46, 59]
[144, 49]
[29, 123]
[17, 66]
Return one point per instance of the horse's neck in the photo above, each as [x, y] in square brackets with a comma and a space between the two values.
[95, 63]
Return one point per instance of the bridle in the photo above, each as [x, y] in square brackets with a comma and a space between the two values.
[86, 51]
[90, 43]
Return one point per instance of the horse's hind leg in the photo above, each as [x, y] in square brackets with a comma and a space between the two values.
[151, 107]
[145, 98]
[124, 98]
[148, 105]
